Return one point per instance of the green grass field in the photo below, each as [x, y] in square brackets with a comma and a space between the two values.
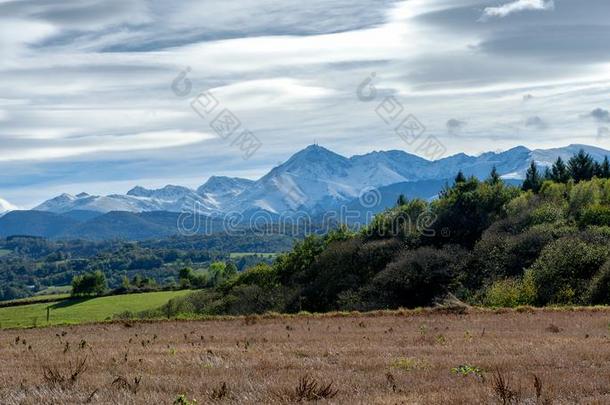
[82, 310]
[4, 252]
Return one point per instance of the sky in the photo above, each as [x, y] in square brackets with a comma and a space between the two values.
[98, 96]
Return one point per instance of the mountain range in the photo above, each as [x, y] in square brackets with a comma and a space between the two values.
[314, 181]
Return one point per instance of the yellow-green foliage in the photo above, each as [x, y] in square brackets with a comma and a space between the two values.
[528, 289]
[520, 203]
[584, 195]
[547, 214]
[555, 192]
[510, 293]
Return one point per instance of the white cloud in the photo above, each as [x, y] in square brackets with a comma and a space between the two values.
[517, 6]
[67, 147]
[75, 81]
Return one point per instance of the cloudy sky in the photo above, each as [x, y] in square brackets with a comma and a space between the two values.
[93, 96]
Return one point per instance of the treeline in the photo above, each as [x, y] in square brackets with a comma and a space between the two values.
[486, 242]
[31, 264]
[580, 167]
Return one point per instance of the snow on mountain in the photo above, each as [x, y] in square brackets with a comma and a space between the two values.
[167, 193]
[384, 168]
[221, 190]
[6, 206]
[83, 201]
[309, 177]
[315, 179]
[546, 157]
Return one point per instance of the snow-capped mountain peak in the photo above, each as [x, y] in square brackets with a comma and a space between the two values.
[315, 179]
[221, 185]
[167, 193]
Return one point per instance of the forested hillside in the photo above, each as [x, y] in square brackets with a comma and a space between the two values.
[32, 265]
[486, 242]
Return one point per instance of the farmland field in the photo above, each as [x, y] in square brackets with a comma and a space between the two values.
[82, 310]
[426, 357]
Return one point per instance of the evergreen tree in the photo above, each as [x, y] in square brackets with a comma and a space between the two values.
[494, 177]
[460, 178]
[605, 169]
[402, 200]
[548, 175]
[559, 171]
[597, 170]
[532, 181]
[581, 166]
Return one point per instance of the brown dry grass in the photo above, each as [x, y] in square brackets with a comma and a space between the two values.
[529, 357]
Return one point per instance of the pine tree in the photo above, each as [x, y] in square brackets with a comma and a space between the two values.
[605, 169]
[581, 166]
[494, 177]
[548, 174]
[597, 170]
[402, 200]
[559, 171]
[460, 178]
[532, 179]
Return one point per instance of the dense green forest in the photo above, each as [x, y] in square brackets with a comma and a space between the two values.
[484, 241]
[29, 265]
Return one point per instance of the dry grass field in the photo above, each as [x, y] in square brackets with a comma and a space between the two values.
[531, 357]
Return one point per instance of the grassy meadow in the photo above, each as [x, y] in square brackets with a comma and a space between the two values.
[82, 310]
[403, 357]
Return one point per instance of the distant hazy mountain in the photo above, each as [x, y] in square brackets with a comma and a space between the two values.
[34, 223]
[313, 181]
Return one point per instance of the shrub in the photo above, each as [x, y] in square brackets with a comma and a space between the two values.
[415, 278]
[468, 208]
[504, 255]
[595, 215]
[345, 266]
[599, 289]
[89, 284]
[583, 196]
[402, 221]
[563, 269]
[503, 293]
[511, 293]
[547, 213]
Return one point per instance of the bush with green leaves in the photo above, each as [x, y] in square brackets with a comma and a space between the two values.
[564, 268]
[468, 208]
[344, 266]
[583, 196]
[403, 222]
[93, 283]
[599, 288]
[500, 254]
[547, 213]
[595, 215]
[511, 292]
[415, 278]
